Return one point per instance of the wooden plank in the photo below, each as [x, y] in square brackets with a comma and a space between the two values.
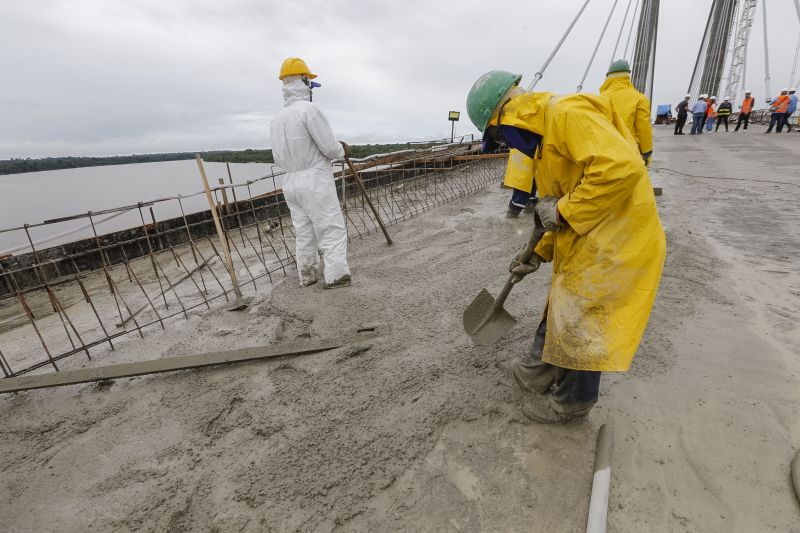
[170, 364]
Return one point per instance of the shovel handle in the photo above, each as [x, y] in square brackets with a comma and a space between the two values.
[536, 235]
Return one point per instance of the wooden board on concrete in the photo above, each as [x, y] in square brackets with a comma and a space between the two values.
[124, 370]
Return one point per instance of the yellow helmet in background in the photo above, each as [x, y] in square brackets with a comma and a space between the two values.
[294, 66]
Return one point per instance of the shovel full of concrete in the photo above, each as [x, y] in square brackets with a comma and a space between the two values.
[485, 319]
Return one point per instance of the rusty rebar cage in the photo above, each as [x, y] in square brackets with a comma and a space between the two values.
[82, 296]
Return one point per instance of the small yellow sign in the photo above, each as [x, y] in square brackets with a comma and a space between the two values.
[454, 115]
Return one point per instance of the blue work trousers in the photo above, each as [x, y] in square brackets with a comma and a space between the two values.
[776, 119]
[522, 199]
[697, 123]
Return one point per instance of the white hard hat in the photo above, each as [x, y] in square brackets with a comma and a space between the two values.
[713, 97]
[727, 98]
[748, 91]
[703, 96]
[792, 90]
[688, 95]
[784, 90]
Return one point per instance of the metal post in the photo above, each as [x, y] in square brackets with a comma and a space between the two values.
[766, 52]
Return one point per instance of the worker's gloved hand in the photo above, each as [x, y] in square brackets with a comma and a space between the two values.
[523, 269]
[346, 148]
[547, 211]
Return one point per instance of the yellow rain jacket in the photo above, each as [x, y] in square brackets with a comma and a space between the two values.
[607, 262]
[633, 107]
[519, 171]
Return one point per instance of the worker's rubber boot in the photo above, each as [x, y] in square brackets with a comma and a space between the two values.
[531, 207]
[539, 408]
[510, 376]
[308, 276]
[344, 281]
[513, 213]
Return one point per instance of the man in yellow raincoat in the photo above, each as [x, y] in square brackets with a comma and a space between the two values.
[632, 106]
[605, 239]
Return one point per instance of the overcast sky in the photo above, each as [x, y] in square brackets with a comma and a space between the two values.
[105, 77]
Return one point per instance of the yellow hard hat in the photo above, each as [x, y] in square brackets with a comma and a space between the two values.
[294, 66]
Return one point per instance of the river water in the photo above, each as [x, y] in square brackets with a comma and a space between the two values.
[34, 197]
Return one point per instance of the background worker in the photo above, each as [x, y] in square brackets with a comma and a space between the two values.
[711, 113]
[604, 238]
[519, 177]
[791, 109]
[723, 112]
[303, 145]
[698, 115]
[778, 108]
[745, 109]
[683, 112]
[633, 106]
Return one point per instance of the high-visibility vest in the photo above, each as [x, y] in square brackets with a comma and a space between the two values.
[747, 104]
[781, 104]
[711, 112]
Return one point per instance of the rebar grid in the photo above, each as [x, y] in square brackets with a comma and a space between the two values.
[59, 305]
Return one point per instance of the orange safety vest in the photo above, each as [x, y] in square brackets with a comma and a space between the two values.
[747, 104]
[781, 104]
[711, 112]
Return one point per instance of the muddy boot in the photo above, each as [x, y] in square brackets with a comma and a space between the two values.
[344, 281]
[308, 276]
[512, 213]
[531, 207]
[508, 376]
[539, 408]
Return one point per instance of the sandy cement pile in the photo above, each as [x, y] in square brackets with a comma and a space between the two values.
[411, 431]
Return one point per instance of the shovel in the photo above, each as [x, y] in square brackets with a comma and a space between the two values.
[366, 197]
[240, 303]
[485, 319]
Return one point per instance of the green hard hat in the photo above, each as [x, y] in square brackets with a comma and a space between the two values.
[486, 93]
[620, 65]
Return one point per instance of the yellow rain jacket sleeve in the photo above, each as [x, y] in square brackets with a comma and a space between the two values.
[519, 171]
[607, 260]
[633, 107]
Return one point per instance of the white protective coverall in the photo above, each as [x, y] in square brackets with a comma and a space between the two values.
[303, 145]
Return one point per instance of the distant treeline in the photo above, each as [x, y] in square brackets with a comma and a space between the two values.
[18, 166]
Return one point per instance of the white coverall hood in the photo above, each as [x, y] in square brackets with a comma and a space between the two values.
[303, 145]
[294, 90]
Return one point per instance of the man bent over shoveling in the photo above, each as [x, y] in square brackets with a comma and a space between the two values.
[604, 238]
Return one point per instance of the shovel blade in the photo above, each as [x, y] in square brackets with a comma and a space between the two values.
[483, 323]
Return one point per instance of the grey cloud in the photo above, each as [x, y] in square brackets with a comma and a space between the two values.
[107, 77]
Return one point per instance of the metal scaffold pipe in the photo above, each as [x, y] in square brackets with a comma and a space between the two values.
[538, 75]
[596, 46]
[766, 52]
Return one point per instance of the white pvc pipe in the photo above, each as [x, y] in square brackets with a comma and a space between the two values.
[598, 505]
[766, 53]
